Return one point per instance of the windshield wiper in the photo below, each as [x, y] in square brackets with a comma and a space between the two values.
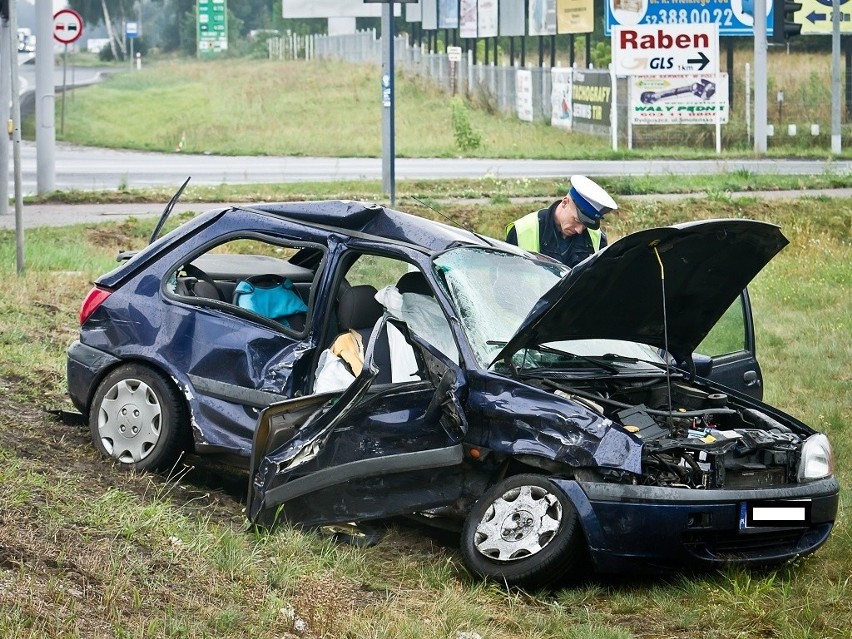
[599, 362]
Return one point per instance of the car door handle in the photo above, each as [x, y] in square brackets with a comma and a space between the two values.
[751, 379]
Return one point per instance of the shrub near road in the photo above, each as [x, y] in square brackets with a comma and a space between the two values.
[88, 551]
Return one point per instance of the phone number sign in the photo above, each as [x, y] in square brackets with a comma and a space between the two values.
[734, 17]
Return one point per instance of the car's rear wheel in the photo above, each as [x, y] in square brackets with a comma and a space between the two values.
[138, 418]
[524, 532]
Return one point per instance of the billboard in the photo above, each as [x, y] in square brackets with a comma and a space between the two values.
[575, 16]
[512, 17]
[333, 9]
[591, 98]
[560, 97]
[678, 99]
[487, 18]
[542, 17]
[448, 14]
[734, 17]
[468, 19]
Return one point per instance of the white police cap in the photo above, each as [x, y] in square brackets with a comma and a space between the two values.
[591, 200]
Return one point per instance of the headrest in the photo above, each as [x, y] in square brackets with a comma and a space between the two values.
[358, 308]
[414, 282]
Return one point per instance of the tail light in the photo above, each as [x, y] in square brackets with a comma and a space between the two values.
[94, 299]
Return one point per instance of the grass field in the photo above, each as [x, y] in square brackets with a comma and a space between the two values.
[320, 108]
[87, 551]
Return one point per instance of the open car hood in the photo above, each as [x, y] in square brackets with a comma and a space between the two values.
[617, 293]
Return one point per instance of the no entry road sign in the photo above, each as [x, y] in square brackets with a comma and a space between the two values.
[67, 26]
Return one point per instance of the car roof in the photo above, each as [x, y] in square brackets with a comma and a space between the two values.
[373, 220]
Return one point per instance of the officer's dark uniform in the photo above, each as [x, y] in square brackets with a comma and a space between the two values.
[568, 250]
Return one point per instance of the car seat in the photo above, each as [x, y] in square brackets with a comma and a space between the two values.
[358, 310]
[274, 297]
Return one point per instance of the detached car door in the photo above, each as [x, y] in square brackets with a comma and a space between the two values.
[371, 451]
[730, 345]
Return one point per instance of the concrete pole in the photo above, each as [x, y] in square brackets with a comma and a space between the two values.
[6, 71]
[836, 137]
[760, 82]
[16, 138]
[45, 109]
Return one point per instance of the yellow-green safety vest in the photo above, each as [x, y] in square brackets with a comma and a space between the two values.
[526, 229]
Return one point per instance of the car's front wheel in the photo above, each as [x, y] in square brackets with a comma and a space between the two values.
[138, 418]
[524, 532]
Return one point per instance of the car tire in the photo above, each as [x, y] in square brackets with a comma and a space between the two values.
[523, 532]
[138, 419]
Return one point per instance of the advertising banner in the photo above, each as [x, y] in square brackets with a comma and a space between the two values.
[575, 16]
[448, 14]
[487, 18]
[512, 17]
[542, 17]
[678, 99]
[429, 14]
[591, 98]
[734, 17]
[412, 12]
[560, 97]
[467, 19]
[523, 94]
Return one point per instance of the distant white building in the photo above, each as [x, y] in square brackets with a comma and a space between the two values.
[94, 45]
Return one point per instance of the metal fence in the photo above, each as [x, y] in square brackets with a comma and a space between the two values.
[804, 111]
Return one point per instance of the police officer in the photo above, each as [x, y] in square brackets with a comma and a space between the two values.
[569, 229]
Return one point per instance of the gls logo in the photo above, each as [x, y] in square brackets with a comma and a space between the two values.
[662, 63]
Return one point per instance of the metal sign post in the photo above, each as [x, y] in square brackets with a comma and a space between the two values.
[388, 150]
[454, 55]
[131, 32]
[67, 28]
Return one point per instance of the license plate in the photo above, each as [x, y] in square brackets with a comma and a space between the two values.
[775, 514]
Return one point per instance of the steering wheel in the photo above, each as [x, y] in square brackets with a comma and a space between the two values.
[193, 271]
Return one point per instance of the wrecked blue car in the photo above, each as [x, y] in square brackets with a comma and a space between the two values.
[367, 363]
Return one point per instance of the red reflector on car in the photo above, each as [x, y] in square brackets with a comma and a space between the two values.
[94, 299]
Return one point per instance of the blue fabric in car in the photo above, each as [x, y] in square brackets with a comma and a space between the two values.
[271, 296]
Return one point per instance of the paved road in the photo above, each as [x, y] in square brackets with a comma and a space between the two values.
[86, 168]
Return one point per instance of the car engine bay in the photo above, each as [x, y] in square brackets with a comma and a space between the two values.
[705, 441]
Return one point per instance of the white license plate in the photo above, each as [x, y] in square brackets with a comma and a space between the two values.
[775, 514]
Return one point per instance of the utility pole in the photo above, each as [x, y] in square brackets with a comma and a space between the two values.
[836, 136]
[16, 137]
[45, 106]
[6, 48]
[388, 150]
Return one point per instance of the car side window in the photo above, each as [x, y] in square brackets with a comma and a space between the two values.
[728, 335]
[410, 298]
[376, 270]
[254, 275]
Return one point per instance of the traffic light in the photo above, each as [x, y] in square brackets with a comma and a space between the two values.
[4, 10]
[783, 26]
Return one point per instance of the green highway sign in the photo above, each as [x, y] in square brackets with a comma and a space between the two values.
[212, 27]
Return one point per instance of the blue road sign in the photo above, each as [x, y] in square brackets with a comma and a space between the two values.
[734, 17]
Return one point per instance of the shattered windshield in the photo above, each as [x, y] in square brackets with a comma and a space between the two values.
[493, 292]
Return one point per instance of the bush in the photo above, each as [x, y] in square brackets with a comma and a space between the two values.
[466, 138]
